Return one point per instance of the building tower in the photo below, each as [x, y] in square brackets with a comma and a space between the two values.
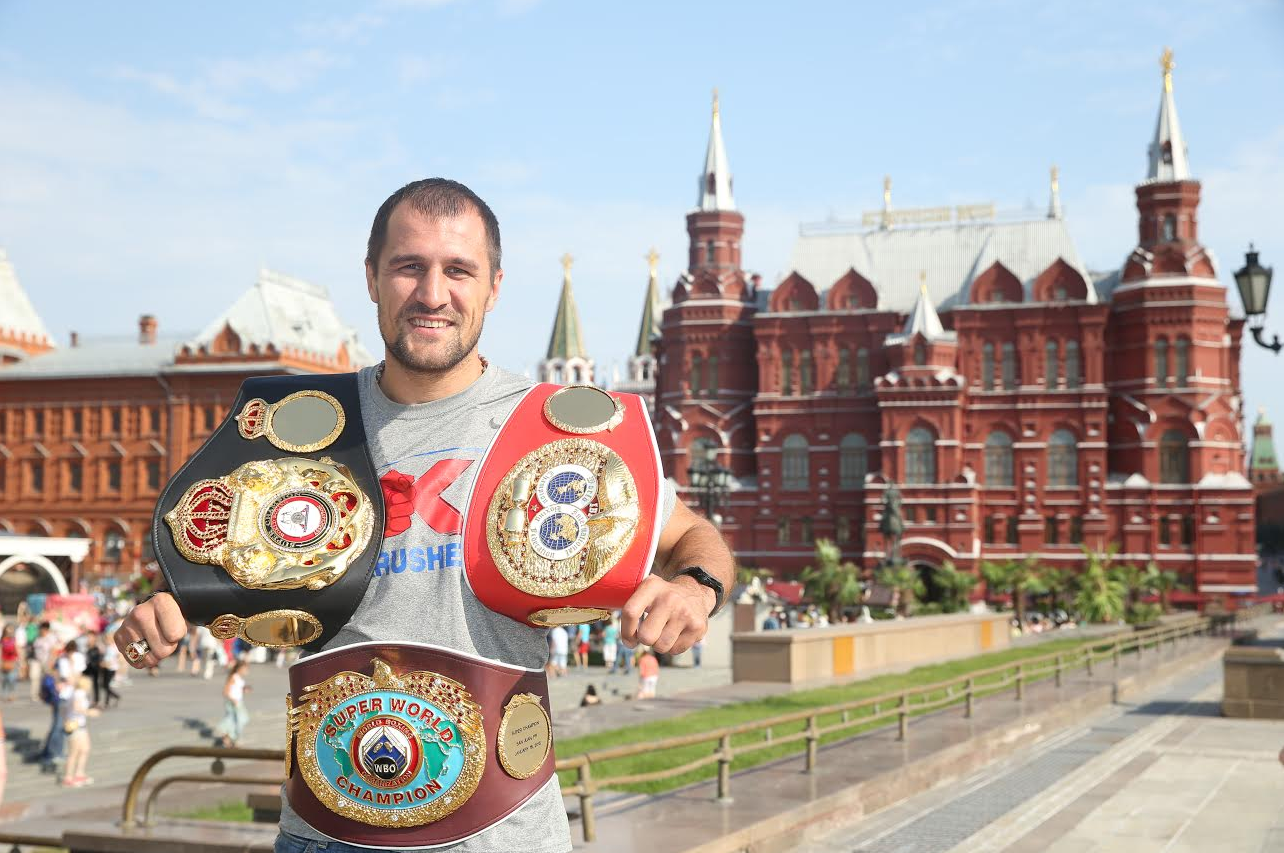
[708, 375]
[567, 360]
[1263, 466]
[641, 379]
[22, 332]
[1176, 442]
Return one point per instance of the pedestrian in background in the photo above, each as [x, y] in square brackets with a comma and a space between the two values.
[9, 659]
[42, 653]
[582, 645]
[648, 674]
[623, 654]
[108, 668]
[76, 727]
[610, 643]
[235, 714]
[697, 651]
[558, 643]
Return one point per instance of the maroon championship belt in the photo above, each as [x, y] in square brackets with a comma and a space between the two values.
[563, 518]
[404, 745]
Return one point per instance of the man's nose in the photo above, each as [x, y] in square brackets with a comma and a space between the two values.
[434, 289]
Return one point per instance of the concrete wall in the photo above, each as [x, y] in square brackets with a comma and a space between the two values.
[809, 654]
[1253, 682]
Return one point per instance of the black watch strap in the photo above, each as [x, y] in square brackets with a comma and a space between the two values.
[705, 579]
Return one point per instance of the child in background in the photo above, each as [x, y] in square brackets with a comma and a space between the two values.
[235, 714]
[76, 726]
[648, 674]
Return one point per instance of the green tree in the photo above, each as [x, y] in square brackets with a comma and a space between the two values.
[1161, 582]
[1130, 578]
[956, 587]
[1057, 585]
[905, 582]
[1101, 596]
[1018, 578]
[745, 574]
[832, 584]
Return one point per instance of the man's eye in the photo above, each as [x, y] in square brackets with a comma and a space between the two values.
[412, 268]
[456, 271]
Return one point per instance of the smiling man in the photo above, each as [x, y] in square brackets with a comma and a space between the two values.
[430, 410]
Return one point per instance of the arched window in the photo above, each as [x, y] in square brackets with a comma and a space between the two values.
[1074, 377]
[708, 253]
[862, 368]
[1063, 459]
[805, 379]
[1170, 228]
[852, 461]
[1051, 365]
[843, 376]
[920, 354]
[1174, 457]
[1010, 377]
[998, 459]
[786, 373]
[920, 456]
[795, 471]
[1161, 362]
[113, 545]
[987, 367]
[697, 364]
[711, 374]
[1181, 371]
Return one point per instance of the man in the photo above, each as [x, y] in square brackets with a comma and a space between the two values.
[433, 271]
[42, 648]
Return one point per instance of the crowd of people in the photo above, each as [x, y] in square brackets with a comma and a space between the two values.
[577, 645]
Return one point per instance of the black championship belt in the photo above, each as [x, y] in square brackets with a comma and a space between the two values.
[270, 531]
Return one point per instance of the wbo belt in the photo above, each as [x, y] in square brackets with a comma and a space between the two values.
[407, 745]
[561, 524]
[270, 531]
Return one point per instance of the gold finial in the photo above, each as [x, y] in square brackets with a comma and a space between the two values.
[1167, 64]
[567, 260]
[653, 261]
[715, 101]
[922, 281]
[887, 191]
[1056, 182]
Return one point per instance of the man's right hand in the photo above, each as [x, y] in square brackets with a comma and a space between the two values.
[158, 621]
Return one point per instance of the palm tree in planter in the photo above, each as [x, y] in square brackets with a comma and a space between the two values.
[1018, 578]
[832, 584]
[1057, 584]
[1101, 596]
[1161, 582]
[907, 586]
[956, 587]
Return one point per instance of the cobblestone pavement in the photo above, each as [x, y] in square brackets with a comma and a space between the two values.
[1168, 775]
[177, 709]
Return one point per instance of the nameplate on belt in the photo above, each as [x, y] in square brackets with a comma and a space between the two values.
[266, 532]
[562, 523]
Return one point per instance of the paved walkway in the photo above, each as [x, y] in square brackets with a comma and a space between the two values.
[684, 819]
[1166, 775]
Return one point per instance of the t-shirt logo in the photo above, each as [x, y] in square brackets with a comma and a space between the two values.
[404, 497]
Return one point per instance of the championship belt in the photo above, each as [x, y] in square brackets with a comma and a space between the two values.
[270, 531]
[562, 522]
[403, 745]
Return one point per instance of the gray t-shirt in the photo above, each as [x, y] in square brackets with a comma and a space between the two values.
[426, 456]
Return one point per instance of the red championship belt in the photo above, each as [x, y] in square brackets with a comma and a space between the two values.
[563, 519]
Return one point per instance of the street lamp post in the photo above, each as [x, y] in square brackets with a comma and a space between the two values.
[711, 482]
[1254, 282]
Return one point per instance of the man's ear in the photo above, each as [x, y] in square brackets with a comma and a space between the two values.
[370, 282]
[494, 290]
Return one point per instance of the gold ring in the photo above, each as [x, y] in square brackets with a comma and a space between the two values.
[137, 650]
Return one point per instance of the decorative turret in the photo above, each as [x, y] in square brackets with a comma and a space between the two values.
[715, 180]
[22, 332]
[923, 340]
[1263, 467]
[715, 226]
[567, 359]
[1168, 157]
[1054, 195]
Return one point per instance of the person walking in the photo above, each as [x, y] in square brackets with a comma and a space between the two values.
[582, 645]
[648, 674]
[94, 665]
[623, 655]
[56, 690]
[108, 668]
[610, 643]
[76, 727]
[558, 643]
[42, 653]
[697, 651]
[9, 660]
[211, 651]
[235, 714]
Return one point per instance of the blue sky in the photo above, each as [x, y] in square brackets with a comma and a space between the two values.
[154, 155]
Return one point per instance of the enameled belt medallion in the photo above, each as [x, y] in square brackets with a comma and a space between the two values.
[388, 749]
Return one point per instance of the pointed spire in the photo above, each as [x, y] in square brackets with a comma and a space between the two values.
[1168, 157]
[924, 320]
[567, 340]
[887, 202]
[1054, 200]
[715, 181]
[650, 326]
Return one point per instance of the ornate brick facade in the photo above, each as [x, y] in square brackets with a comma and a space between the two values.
[1043, 408]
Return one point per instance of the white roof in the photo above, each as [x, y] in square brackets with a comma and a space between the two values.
[107, 356]
[1168, 157]
[923, 320]
[716, 194]
[946, 258]
[288, 313]
[16, 311]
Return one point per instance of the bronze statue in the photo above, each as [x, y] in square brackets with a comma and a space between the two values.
[892, 524]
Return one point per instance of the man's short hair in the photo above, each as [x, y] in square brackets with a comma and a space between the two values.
[437, 198]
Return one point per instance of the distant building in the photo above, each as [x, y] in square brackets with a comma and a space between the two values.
[1022, 404]
[567, 360]
[90, 433]
[1268, 482]
[641, 363]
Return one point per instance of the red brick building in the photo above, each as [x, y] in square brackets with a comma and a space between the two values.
[1022, 404]
[90, 433]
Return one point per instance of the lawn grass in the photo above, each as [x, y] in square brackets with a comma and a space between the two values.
[746, 712]
[235, 811]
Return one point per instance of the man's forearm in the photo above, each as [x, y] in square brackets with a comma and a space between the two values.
[702, 545]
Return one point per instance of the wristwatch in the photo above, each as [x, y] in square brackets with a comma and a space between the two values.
[705, 579]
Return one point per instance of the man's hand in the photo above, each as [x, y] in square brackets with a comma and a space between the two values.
[158, 621]
[676, 614]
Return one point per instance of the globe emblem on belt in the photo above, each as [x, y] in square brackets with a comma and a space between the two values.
[386, 752]
[558, 532]
[567, 485]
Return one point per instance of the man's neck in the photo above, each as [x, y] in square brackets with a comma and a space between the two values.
[411, 386]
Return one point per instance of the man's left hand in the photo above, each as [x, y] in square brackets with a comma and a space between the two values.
[669, 616]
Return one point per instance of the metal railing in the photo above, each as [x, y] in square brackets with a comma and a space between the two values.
[898, 706]
[216, 774]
